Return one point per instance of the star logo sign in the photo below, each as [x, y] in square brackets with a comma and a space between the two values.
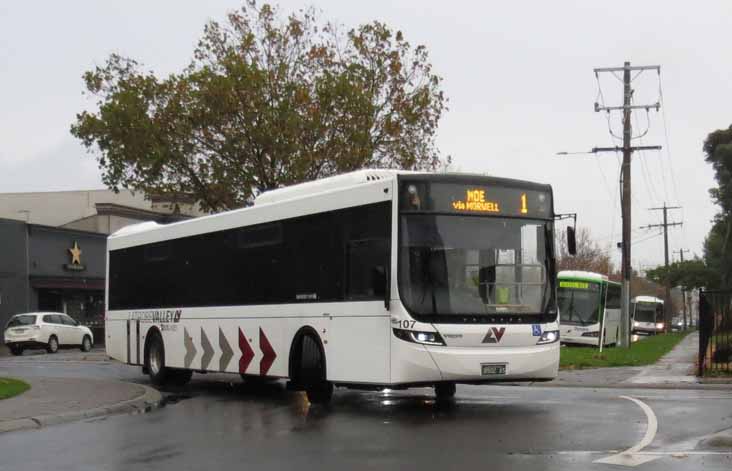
[75, 252]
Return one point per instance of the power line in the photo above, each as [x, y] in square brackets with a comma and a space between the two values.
[668, 142]
[627, 149]
[650, 188]
[681, 253]
[652, 236]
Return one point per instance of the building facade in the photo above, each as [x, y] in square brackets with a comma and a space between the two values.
[47, 268]
[76, 208]
[53, 247]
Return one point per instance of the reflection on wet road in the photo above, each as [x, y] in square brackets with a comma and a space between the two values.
[219, 422]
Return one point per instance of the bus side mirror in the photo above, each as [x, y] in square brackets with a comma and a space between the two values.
[571, 241]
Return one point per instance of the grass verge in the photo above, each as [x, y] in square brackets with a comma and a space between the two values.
[643, 352]
[10, 387]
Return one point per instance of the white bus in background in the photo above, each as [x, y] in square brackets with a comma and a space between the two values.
[586, 302]
[373, 279]
[647, 315]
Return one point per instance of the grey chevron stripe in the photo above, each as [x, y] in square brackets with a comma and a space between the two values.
[226, 352]
[208, 350]
[190, 348]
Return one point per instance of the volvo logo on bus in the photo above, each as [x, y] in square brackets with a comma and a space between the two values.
[494, 335]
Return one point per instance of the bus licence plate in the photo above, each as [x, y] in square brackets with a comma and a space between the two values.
[493, 369]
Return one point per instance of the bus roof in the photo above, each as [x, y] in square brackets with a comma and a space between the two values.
[322, 185]
[647, 299]
[582, 275]
[148, 232]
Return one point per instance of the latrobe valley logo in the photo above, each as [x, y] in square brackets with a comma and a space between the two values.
[162, 316]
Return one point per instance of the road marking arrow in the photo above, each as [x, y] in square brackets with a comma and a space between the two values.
[246, 353]
[208, 350]
[269, 354]
[632, 456]
[226, 352]
[190, 348]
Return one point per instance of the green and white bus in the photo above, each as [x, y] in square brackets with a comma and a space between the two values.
[647, 314]
[589, 308]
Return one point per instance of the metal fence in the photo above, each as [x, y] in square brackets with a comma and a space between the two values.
[715, 332]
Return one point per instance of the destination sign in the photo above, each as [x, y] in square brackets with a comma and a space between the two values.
[493, 200]
[578, 285]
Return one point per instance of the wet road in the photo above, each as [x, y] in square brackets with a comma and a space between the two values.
[218, 422]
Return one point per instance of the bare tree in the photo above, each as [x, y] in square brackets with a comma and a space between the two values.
[590, 256]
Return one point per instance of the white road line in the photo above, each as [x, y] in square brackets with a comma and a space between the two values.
[647, 453]
[631, 457]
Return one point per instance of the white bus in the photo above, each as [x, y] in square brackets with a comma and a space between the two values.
[647, 314]
[373, 279]
[588, 301]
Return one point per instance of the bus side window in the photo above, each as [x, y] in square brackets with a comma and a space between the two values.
[613, 296]
[367, 262]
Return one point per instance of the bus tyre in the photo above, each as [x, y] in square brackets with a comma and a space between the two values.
[155, 360]
[444, 391]
[317, 388]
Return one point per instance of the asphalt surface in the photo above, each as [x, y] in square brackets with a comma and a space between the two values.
[219, 422]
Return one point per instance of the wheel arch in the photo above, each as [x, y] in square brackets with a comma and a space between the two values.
[152, 332]
[296, 351]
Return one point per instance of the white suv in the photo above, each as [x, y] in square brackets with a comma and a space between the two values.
[49, 330]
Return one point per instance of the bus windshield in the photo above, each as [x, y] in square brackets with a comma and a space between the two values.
[647, 312]
[473, 265]
[579, 302]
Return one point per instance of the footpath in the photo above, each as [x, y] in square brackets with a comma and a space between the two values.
[675, 370]
[52, 401]
[55, 400]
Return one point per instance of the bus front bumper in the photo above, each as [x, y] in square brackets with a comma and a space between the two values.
[646, 328]
[521, 363]
[579, 340]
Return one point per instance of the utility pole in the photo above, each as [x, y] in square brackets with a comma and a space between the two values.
[627, 150]
[667, 284]
[683, 291]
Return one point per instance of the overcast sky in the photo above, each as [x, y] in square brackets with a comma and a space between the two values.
[518, 75]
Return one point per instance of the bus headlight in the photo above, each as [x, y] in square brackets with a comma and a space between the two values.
[424, 338]
[636, 324]
[549, 336]
[659, 325]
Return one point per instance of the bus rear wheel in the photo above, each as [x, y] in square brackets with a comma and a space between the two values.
[312, 372]
[161, 375]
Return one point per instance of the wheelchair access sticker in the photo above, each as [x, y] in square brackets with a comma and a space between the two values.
[536, 330]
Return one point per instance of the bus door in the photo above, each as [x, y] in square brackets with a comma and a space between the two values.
[134, 355]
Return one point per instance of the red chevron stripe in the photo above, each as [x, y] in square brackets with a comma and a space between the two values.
[247, 354]
[269, 354]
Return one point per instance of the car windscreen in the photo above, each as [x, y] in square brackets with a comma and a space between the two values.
[19, 321]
